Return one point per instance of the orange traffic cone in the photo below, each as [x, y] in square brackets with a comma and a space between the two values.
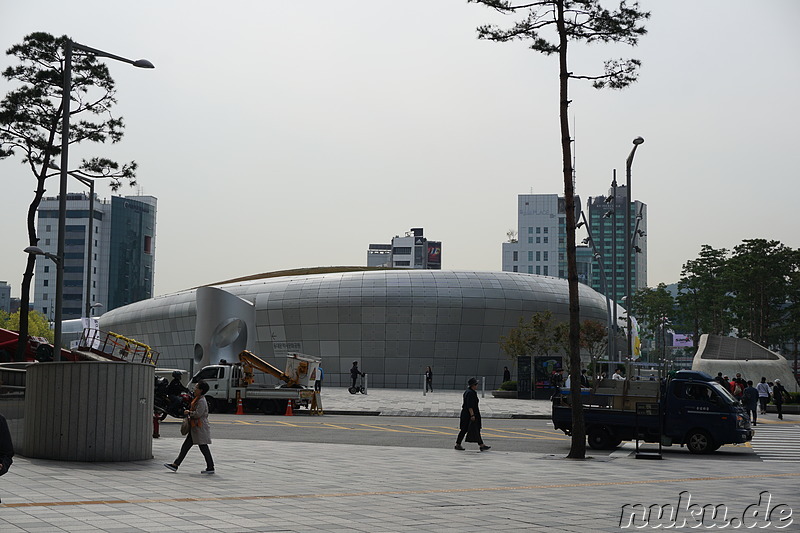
[239, 407]
[289, 408]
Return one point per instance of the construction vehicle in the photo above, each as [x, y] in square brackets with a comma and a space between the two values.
[230, 384]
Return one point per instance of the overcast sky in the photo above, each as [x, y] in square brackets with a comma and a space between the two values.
[280, 135]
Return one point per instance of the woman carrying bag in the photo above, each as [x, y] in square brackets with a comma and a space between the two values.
[470, 423]
[199, 430]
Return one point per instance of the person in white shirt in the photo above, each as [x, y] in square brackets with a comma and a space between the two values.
[763, 394]
[618, 375]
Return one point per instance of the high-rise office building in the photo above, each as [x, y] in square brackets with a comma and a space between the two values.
[410, 251]
[5, 296]
[607, 224]
[541, 243]
[120, 269]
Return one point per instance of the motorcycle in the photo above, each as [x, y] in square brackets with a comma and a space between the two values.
[163, 404]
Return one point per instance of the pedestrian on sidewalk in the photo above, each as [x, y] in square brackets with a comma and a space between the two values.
[318, 379]
[470, 420]
[778, 392]
[763, 394]
[750, 401]
[199, 430]
[506, 374]
[428, 379]
[6, 446]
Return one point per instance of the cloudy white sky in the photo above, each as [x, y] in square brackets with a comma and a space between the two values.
[280, 135]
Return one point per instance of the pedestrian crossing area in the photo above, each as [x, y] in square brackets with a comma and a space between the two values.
[776, 442]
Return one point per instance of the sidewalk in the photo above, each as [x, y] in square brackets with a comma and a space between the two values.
[445, 403]
[305, 487]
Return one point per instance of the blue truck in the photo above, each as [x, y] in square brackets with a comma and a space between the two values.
[690, 409]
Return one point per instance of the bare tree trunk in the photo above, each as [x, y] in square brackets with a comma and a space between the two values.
[27, 277]
[578, 446]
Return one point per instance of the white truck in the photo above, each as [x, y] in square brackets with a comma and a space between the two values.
[228, 383]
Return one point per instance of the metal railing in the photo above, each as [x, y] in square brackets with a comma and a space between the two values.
[116, 346]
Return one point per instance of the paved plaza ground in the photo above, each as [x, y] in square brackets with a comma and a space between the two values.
[304, 487]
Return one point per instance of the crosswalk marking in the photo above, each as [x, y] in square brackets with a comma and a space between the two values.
[775, 443]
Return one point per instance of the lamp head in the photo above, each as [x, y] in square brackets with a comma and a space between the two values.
[143, 63]
[638, 140]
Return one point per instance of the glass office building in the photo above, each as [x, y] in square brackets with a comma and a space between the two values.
[118, 265]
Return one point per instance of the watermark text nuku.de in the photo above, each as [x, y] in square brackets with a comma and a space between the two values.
[685, 514]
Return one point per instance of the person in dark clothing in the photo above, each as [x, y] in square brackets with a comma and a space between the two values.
[584, 379]
[174, 390]
[6, 446]
[506, 374]
[779, 394]
[176, 387]
[470, 420]
[354, 373]
[557, 379]
[750, 401]
[428, 379]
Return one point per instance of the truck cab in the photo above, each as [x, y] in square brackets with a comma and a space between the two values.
[701, 414]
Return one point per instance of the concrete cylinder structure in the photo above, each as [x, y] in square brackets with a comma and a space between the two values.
[89, 411]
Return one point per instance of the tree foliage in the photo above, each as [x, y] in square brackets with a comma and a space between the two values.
[753, 291]
[536, 336]
[703, 297]
[38, 325]
[30, 123]
[759, 272]
[548, 26]
[654, 308]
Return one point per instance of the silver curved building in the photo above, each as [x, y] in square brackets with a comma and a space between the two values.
[393, 322]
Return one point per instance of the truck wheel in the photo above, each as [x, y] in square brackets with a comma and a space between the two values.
[600, 439]
[700, 441]
[268, 407]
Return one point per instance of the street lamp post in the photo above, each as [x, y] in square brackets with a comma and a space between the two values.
[628, 244]
[69, 46]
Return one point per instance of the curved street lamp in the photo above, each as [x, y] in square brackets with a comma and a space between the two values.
[628, 244]
[69, 46]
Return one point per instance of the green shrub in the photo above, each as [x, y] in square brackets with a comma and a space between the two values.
[508, 385]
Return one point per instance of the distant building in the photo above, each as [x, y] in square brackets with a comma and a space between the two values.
[607, 222]
[541, 244]
[5, 296]
[123, 253]
[410, 251]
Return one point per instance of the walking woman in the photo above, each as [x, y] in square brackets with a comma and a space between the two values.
[428, 379]
[470, 423]
[199, 430]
